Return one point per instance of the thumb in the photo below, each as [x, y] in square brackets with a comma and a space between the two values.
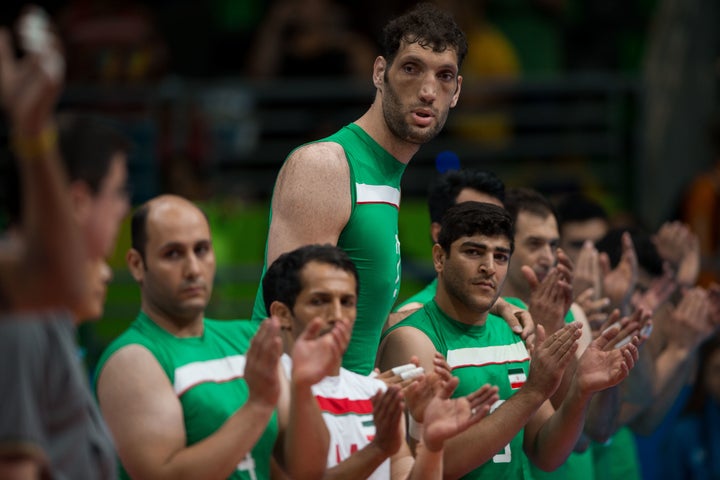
[312, 329]
[530, 276]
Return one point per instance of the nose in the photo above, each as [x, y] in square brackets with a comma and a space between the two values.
[487, 266]
[547, 255]
[192, 266]
[428, 89]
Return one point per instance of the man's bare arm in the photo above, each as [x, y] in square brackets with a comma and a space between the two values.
[146, 418]
[312, 199]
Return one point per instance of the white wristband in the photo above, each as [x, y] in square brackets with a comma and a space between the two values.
[415, 428]
[415, 372]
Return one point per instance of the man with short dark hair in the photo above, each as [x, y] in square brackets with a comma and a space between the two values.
[471, 258]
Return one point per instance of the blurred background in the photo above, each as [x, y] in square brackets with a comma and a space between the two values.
[612, 98]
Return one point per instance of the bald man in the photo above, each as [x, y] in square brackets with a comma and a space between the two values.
[189, 397]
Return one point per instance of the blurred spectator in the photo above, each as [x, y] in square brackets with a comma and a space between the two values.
[309, 38]
[701, 210]
[111, 41]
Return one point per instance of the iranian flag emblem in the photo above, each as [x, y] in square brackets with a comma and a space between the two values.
[517, 378]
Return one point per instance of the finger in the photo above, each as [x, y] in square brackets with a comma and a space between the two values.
[530, 277]
[447, 388]
[528, 325]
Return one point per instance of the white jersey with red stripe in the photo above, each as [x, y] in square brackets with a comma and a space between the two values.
[348, 413]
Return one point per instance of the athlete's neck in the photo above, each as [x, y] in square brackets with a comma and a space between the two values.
[178, 327]
[373, 123]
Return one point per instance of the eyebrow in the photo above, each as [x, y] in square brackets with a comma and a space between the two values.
[485, 246]
[417, 59]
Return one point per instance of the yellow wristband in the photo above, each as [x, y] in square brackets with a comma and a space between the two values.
[30, 147]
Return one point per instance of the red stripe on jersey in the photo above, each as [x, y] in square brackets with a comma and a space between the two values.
[342, 406]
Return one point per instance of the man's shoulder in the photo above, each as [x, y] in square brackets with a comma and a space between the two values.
[321, 154]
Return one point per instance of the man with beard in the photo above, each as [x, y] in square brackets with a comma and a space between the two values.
[345, 189]
[471, 259]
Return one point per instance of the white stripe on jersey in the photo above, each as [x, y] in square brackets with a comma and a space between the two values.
[495, 355]
[219, 370]
[377, 194]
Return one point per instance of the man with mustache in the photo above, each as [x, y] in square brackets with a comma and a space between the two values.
[345, 189]
[471, 259]
[190, 397]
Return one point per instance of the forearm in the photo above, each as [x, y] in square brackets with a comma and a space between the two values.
[360, 464]
[602, 415]
[668, 390]
[428, 464]
[482, 441]
[54, 245]
[217, 456]
[558, 436]
[307, 438]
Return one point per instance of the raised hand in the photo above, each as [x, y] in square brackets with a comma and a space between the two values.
[619, 283]
[679, 246]
[30, 87]
[446, 417]
[388, 409]
[595, 309]
[317, 353]
[551, 356]
[261, 364]
[690, 322]
[603, 364]
[660, 290]
[550, 299]
[518, 319]
[587, 274]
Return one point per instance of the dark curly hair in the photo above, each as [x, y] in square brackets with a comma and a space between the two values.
[428, 26]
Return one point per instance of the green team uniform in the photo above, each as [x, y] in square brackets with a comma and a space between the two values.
[423, 296]
[370, 238]
[577, 465]
[207, 375]
[477, 355]
[617, 459]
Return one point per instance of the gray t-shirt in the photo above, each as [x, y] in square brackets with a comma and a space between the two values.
[47, 410]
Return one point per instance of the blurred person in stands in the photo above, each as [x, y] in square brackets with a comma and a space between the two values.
[309, 38]
[701, 210]
[52, 271]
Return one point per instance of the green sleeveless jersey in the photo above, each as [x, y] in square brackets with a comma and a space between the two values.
[207, 375]
[371, 240]
[577, 465]
[480, 354]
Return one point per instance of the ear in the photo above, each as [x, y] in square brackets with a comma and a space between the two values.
[438, 255]
[283, 313]
[434, 231]
[457, 92]
[379, 72]
[135, 264]
[81, 198]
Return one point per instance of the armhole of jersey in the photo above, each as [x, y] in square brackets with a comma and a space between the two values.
[353, 184]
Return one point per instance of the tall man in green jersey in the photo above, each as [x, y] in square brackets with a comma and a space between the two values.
[471, 258]
[345, 189]
[189, 397]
